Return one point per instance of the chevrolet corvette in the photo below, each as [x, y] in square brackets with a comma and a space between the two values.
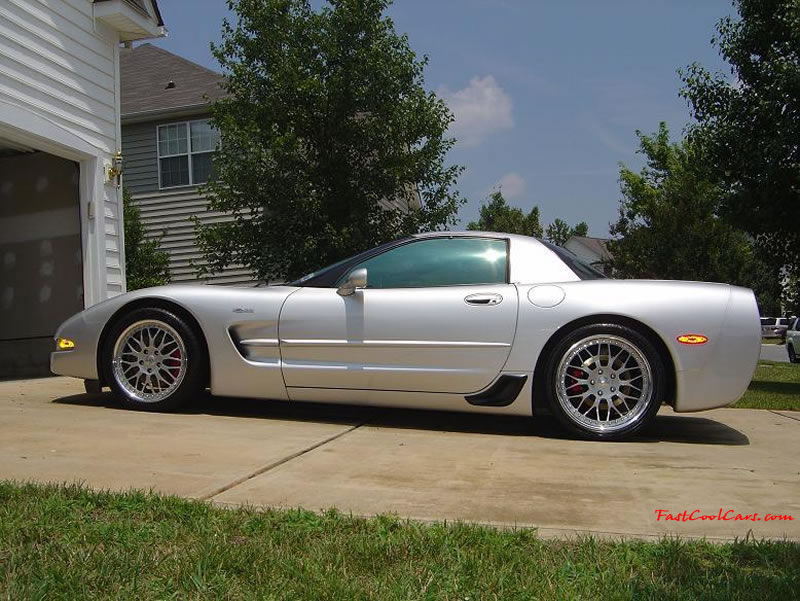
[466, 321]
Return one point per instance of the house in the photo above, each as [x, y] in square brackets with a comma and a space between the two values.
[61, 236]
[593, 251]
[168, 144]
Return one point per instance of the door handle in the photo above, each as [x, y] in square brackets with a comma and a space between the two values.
[484, 299]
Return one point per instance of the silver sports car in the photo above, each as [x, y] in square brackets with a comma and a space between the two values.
[467, 321]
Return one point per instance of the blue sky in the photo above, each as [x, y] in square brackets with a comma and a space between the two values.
[547, 94]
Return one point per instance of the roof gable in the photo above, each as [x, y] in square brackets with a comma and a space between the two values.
[132, 19]
[145, 75]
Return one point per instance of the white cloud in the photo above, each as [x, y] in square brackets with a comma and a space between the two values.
[480, 109]
[511, 184]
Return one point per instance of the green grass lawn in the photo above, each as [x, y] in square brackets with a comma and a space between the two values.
[68, 543]
[774, 386]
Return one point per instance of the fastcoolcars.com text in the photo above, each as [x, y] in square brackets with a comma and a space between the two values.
[723, 515]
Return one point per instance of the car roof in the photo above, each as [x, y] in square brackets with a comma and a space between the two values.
[479, 234]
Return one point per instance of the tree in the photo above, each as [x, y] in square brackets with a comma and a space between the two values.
[145, 264]
[668, 226]
[497, 216]
[559, 231]
[326, 119]
[582, 229]
[747, 129]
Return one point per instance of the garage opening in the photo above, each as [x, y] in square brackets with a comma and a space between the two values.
[41, 272]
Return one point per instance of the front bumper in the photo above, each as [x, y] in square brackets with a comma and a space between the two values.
[81, 361]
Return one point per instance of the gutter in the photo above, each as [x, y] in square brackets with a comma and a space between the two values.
[175, 111]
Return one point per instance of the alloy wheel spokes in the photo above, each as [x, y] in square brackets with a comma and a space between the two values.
[149, 360]
[604, 383]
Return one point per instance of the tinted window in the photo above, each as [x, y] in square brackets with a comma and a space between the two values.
[439, 262]
[330, 275]
[783, 321]
[583, 270]
[767, 321]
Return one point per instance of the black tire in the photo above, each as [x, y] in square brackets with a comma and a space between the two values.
[641, 413]
[193, 379]
[793, 358]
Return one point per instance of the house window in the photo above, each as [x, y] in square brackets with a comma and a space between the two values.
[185, 153]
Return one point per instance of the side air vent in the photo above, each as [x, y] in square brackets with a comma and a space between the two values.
[502, 393]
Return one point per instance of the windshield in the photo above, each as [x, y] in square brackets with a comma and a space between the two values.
[767, 321]
[327, 276]
[319, 272]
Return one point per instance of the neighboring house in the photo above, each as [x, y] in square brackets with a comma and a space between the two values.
[592, 250]
[168, 146]
[61, 235]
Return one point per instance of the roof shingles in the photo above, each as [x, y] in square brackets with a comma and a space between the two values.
[145, 72]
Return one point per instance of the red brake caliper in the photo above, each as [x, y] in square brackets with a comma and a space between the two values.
[176, 354]
[577, 387]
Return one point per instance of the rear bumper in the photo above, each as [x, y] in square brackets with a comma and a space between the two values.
[731, 362]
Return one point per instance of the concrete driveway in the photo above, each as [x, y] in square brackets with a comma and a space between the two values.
[418, 464]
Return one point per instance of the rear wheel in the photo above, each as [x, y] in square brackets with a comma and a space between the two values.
[605, 381]
[153, 360]
[793, 358]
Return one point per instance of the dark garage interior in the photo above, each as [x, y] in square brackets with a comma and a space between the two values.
[41, 273]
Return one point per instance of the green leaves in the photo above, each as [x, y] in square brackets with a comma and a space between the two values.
[559, 231]
[497, 216]
[748, 124]
[669, 227]
[329, 135]
[145, 264]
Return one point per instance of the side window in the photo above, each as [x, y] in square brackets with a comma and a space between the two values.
[439, 262]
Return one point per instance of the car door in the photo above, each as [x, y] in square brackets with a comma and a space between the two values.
[436, 315]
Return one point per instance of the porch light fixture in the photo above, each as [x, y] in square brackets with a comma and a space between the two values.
[115, 169]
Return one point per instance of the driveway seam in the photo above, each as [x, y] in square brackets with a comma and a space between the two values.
[270, 466]
[786, 416]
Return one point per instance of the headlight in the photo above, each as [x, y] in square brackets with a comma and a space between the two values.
[65, 344]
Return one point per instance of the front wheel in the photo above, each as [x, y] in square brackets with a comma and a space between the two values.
[154, 360]
[605, 381]
[793, 358]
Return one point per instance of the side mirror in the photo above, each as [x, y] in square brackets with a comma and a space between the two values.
[355, 279]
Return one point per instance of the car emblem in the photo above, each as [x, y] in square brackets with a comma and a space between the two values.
[243, 310]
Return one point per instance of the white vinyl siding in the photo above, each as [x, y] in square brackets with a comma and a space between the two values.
[58, 65]
[185, 152]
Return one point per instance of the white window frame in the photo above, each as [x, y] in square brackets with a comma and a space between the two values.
[188, 152]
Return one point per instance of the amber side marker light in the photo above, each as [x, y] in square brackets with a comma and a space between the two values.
[692, 339]
[65, 344]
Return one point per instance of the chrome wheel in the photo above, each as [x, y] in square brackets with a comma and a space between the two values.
[604, 383]
[149, 360]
